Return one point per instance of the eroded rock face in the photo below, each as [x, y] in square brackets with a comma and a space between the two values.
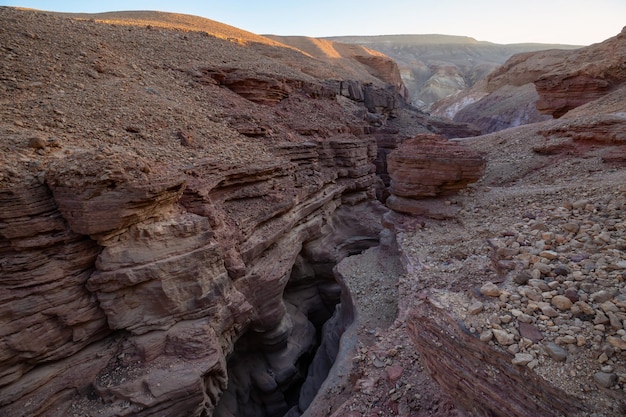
[585, 76]
[429, 166]
[480, 379]
[50, 322]
[158, 272]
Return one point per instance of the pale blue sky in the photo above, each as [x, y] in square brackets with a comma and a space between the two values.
[580, 22]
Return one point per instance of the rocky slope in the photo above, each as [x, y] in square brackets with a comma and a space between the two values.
[437, 66]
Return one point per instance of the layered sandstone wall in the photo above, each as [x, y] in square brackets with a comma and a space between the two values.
[130, 283]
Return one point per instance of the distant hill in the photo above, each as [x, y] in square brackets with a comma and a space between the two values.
[436, 66]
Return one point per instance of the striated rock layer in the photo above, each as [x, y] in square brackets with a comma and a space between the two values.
[483, 381]
[426, 167]
[184, 214]
[181, 264]
[585, 76]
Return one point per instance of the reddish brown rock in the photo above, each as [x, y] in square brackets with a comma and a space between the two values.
[98, 193]
[429, 166]
[586, 75]
[465, 367]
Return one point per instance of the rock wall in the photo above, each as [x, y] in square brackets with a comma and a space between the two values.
[585, 76]
[141, 278]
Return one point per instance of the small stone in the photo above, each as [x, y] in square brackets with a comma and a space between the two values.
[585, 308]
[562, 270]
[601, 296]
[604, 379]
[600, 318]
[561, 302]
[530, 331]
[475, 308]
[506, 253]
[540, 284]
[609, 306]
[548, 254]
[486, 336]
[522, 278]
[570, 227]
[616, 342]
[394, 372]
[579, 257]
[556, 352]
[522, 359]
[605, 237]
[490, 290]
[566, 340]
[503, 337]
[549, 311]
[36, 143]
[572, 294]
[615, 322]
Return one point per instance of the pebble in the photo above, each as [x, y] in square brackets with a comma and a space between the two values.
[490, 290]
[601, 296]
[522, 278]
[394, 372]
[556, 352]
[475, 308]
[548, 254]
[503, 337]
[522, 359]
[549, 311]
[617, 342]
[605, 379]
[561, 302]
[36, 143]
[530, 331]
[486, 336]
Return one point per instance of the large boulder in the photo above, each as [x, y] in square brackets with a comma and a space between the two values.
[427, 167]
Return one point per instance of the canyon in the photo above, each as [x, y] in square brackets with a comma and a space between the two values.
[197, 220]
[434, 67]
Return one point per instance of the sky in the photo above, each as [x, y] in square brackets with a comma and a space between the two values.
[576, 22]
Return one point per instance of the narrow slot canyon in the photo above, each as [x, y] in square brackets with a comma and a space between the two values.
[278, 372]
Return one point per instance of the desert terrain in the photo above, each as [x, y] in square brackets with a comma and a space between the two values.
[197, 220]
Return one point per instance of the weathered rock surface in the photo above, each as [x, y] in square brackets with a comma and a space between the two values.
[429, 166]
[143, 243]
[167, 244]
[586, 75]
[483, 381]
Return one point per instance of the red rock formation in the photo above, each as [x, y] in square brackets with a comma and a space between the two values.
[599, 135]
[586, 75]
[184, 263]
[479, 378]
[430, 166]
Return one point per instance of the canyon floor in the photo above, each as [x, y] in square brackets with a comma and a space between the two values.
[530, 261]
